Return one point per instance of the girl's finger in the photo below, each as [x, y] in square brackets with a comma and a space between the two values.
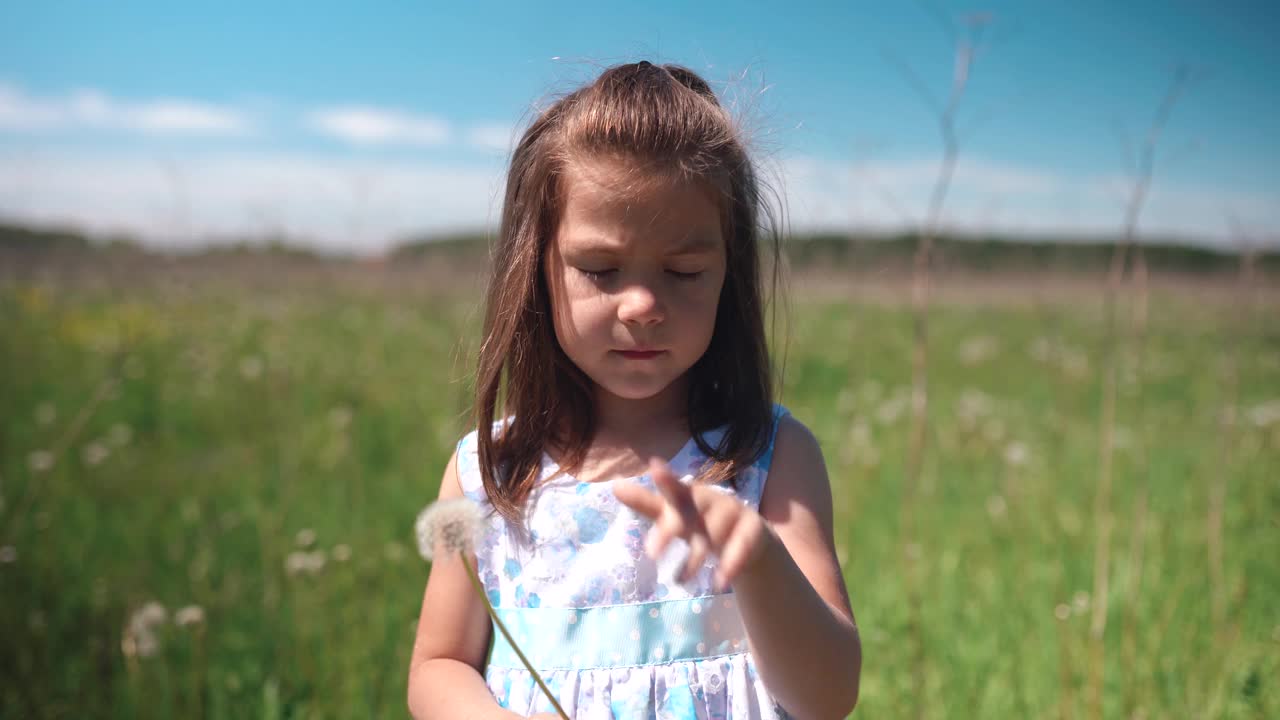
[719, 519]
[743, 546]
[668, 526]
[637, 498]
[698, 551]
[676, 492]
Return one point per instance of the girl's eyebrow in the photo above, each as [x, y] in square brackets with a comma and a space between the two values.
[694, 244]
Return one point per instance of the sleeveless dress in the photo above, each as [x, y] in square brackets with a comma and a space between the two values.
[612, 633]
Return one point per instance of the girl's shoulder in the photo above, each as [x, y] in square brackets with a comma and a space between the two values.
[467, 462]
[797, 470]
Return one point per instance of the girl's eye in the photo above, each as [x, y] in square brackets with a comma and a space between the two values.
[685, 275]
[598, 275]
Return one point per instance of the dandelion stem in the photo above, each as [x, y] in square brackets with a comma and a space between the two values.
[475, 580]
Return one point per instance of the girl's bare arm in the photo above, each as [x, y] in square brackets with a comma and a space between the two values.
[445, 680]
[792, 598]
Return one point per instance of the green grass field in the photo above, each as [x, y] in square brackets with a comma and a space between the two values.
[260, 450]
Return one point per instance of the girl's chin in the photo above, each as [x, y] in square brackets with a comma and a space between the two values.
[637, 390]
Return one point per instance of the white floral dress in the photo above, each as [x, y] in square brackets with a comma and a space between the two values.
[612, 633]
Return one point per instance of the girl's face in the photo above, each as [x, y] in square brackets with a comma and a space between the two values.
[634, 277]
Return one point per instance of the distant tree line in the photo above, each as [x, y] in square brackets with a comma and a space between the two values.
[834, 250]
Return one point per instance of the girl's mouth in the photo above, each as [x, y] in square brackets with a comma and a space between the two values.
[639, 354]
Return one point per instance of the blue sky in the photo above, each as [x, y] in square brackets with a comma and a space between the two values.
[353, 125]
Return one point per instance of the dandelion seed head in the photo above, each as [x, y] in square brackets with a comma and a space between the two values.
[8, 554]
[1016, 454]
[40, 461]
[454, 523]
[1080, 601]
[94, 453]
[189, 616]
[1062, 611]
[973, 406]
[139, 636]
[304, 563]
[342, 553]
[1265, 414]
[305, 538]
[979, 349]
[996, 506]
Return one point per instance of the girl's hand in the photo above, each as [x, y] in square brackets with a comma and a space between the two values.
[709, 520]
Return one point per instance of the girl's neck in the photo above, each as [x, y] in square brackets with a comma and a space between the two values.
[621, 416]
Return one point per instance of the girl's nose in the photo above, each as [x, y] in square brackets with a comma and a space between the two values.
[639, 306]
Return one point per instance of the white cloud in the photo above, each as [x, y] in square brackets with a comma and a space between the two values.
[492, 136]
[333, 204]
[377, 126]
[989, 196]
[366, 205]
[92, 109]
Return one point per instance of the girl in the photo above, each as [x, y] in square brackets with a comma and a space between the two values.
[624, 323]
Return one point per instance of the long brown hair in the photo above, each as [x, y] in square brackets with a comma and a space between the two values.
[658, 118]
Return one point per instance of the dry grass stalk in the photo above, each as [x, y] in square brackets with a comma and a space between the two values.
[1231, 385]
[1137, 538]
[966, 50]
[1104, 521]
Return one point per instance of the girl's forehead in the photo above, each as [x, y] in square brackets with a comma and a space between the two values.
[612, 190]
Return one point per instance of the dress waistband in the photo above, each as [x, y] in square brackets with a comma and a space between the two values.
[621, 635]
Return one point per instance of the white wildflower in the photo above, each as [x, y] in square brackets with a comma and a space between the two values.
[8, 554]
[309, 563]
[153, 613]
[1016, 454]
[1062, 611]
[94, 453]
[1266, 414]
[342, 553]
[189, 616]
[40, 461]
[979, 349]
[972, 406]
[860, 434]
[305, 538]
[996, 506]
[454, 523]
[1080, 601]
[891, 409]
[139, 638]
